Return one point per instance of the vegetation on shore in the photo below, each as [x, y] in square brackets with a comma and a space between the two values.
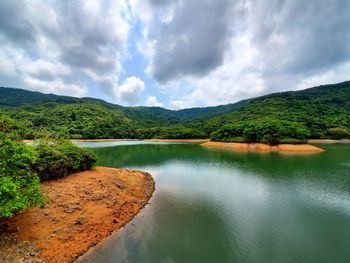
[269, 131]
[23, 166]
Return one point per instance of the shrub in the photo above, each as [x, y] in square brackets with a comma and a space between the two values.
[19, 186]
[58, 158]
[338, 133]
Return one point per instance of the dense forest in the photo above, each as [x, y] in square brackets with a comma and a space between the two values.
[323, 111]
[319, 112]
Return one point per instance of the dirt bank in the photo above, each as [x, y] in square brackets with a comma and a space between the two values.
[316, 141]
[84, 209]
[261, 147]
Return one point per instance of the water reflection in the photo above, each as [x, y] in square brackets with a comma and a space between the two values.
[220, 206]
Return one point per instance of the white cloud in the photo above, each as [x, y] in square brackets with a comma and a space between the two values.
[177, 104]
[152, 101]
[130, 90]
[64, 45]
[266, 51]
[223, 50]
[53, 86]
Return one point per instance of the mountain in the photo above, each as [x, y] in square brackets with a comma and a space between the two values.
[319, 109]
[147, 116]
[71, 117]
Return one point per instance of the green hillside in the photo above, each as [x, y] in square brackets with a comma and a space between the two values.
[321, 112]
[146, 116]
[324, 110]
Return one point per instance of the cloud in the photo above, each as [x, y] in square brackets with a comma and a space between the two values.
[152, 101]
[197, 52]
[178, 104]
[188, 37]
[232, 50]
[130, 90]
[53, 86]
[82, 44]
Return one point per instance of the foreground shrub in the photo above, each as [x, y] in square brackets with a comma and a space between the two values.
[57, 158]
[19, 186]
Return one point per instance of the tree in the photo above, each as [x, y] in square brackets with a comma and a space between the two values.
[19, 186]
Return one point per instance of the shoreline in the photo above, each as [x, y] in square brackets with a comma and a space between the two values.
[145, 140]
[310, 141]
[328, 141]
[83, 209]
[199, 141]
[261, 147]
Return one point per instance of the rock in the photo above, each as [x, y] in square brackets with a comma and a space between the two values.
[58, 230]
[69, 210]
[80, 221]
[119, 184]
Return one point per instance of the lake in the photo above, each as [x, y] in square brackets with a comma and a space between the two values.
[223, 206]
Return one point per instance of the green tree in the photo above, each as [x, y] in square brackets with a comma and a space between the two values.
[19, 186]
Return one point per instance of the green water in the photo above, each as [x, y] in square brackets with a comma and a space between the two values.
[222, 206]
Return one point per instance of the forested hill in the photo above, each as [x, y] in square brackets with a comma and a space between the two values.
[12, 97]
[321, 110]
[72, 117]
[148, 116]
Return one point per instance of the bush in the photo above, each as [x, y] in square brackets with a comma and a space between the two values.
[268, 131]
[57, 158]
[19, 185]
[338, 133]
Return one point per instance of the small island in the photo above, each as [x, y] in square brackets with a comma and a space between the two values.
[263, 135]
[263, 147]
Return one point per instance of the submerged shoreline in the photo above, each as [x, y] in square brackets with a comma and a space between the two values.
[261, 147]
[83, 209]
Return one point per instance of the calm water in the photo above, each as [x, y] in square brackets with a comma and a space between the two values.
[222, 206]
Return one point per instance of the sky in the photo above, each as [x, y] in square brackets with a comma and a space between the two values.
[173, 53]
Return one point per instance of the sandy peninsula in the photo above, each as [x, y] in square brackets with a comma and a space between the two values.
[261, 147]
[83, 209]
